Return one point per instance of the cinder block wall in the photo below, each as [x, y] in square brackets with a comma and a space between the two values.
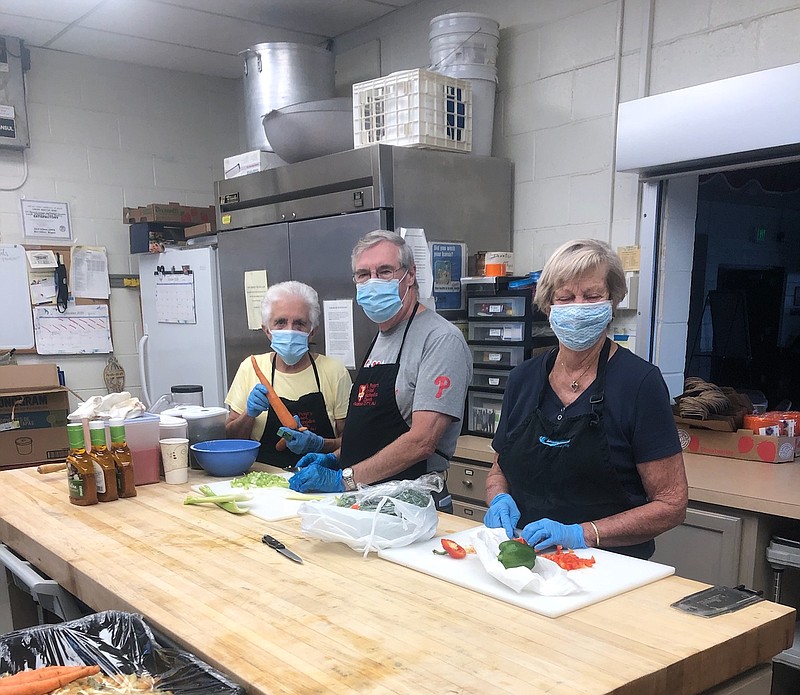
[106, 134]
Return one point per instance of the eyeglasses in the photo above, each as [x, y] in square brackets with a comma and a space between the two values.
[385, 272]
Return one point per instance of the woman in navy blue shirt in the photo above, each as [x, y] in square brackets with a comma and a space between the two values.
[587, 453]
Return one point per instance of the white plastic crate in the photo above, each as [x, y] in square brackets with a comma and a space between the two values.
[413, 108]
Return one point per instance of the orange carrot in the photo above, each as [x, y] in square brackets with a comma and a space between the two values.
[274, 400]
[44, 680]
[276, 404]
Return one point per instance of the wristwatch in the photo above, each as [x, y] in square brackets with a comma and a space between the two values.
[347, 478]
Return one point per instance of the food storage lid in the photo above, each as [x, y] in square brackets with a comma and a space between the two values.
[195, 412]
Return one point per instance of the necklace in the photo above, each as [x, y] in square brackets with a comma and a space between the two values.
[575, 382]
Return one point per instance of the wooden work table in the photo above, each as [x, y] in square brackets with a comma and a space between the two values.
[342, 624]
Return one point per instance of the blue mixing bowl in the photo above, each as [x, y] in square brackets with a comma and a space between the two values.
[226, 457]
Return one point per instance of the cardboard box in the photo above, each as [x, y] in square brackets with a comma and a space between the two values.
[41, 407]
[742, 444]
[245, 163]
[170, 212]
[200, 230]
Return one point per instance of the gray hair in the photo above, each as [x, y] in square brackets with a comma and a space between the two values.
[574, 259]
[405, 256]
[291, 289]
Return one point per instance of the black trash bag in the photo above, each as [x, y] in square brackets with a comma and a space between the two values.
[119, 643]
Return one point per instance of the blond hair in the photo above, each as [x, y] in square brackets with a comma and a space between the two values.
[574, 259]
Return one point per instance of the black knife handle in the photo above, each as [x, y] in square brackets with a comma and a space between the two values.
[272, 542]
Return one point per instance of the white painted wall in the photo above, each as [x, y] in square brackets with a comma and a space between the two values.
[104, 135]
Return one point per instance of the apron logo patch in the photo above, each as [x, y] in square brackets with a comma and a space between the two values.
[443, 382]
[554, 442]
[367, 395]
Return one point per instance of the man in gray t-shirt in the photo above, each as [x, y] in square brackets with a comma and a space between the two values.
[408, 397]
[435, 370]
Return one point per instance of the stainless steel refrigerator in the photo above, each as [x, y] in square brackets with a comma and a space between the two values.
[301, 221]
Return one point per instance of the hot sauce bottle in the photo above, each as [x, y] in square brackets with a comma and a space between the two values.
[123, 459]
[105, 470]
[80, 469]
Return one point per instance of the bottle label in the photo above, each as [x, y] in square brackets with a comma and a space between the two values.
[76, 488]
[100, 477]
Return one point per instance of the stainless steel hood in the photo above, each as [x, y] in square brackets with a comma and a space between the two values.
[746, 119]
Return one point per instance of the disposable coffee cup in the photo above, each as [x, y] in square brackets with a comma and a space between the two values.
[175, 457]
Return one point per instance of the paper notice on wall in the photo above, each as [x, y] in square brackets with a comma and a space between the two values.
[79, 330]
[415, 238]
[630, 257]
[255, 287]
[89, 270]
[175, 298]
[339, 341]
[43, 286]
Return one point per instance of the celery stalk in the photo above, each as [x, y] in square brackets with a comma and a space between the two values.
[226, 502]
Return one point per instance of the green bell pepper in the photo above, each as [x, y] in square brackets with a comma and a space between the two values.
[516, 554]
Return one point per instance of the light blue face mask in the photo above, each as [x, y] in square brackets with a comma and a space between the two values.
[290, 345]
[380, 299]
[579, 326]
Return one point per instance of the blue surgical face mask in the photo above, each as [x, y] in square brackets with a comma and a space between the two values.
[290, 345]
[380, 299]
[579, 326]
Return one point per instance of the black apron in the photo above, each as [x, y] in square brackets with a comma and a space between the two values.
[313, 414]
[374, 420]
[562, 470]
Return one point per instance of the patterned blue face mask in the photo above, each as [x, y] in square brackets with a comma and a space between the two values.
[290, 345]
[579, 326]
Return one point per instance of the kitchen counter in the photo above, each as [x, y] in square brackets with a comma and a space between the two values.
[342, 624]
[767, 488]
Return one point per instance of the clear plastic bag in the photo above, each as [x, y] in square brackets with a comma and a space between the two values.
[384, 518]
[119, 643]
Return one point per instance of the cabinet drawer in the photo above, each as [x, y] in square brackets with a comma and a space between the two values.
[469, 511]
[467, 481]
[497, 331]
[496, 307]
[497, 356]
[491, 378]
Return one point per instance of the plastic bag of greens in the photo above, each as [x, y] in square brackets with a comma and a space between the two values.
[375, 517]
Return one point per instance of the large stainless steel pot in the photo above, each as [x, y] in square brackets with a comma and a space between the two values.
[279, 74]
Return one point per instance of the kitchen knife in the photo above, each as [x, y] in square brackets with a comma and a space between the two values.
[281, 548]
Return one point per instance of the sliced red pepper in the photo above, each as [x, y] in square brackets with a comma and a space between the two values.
[453, 549]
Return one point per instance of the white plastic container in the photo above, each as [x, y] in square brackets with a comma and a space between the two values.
[460, 38]
[172, 427]
[203, 424]
[483, 87]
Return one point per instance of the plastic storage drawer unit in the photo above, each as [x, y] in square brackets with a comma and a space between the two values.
[489, 378]
[496, 307]
[492, 331]
[484, 411]
[497, 355]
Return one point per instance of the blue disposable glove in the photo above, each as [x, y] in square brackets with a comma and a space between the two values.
[503, 512]
[316, 478]
[546, 533]
[257, 401]
[324, 460]
[301, 442]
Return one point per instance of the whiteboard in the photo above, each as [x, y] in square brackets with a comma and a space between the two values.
[16, 328]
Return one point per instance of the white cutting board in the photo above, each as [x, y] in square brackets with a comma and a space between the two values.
[612, 574]
[268, 503]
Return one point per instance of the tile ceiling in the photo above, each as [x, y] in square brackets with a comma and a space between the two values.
[202, 36]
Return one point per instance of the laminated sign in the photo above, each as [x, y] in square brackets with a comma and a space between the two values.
[448, 261]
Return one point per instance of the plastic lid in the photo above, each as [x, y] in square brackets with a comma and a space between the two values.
[195, 412]
[116, 422]
[75, 435]
[186, 388]
[97, 425]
